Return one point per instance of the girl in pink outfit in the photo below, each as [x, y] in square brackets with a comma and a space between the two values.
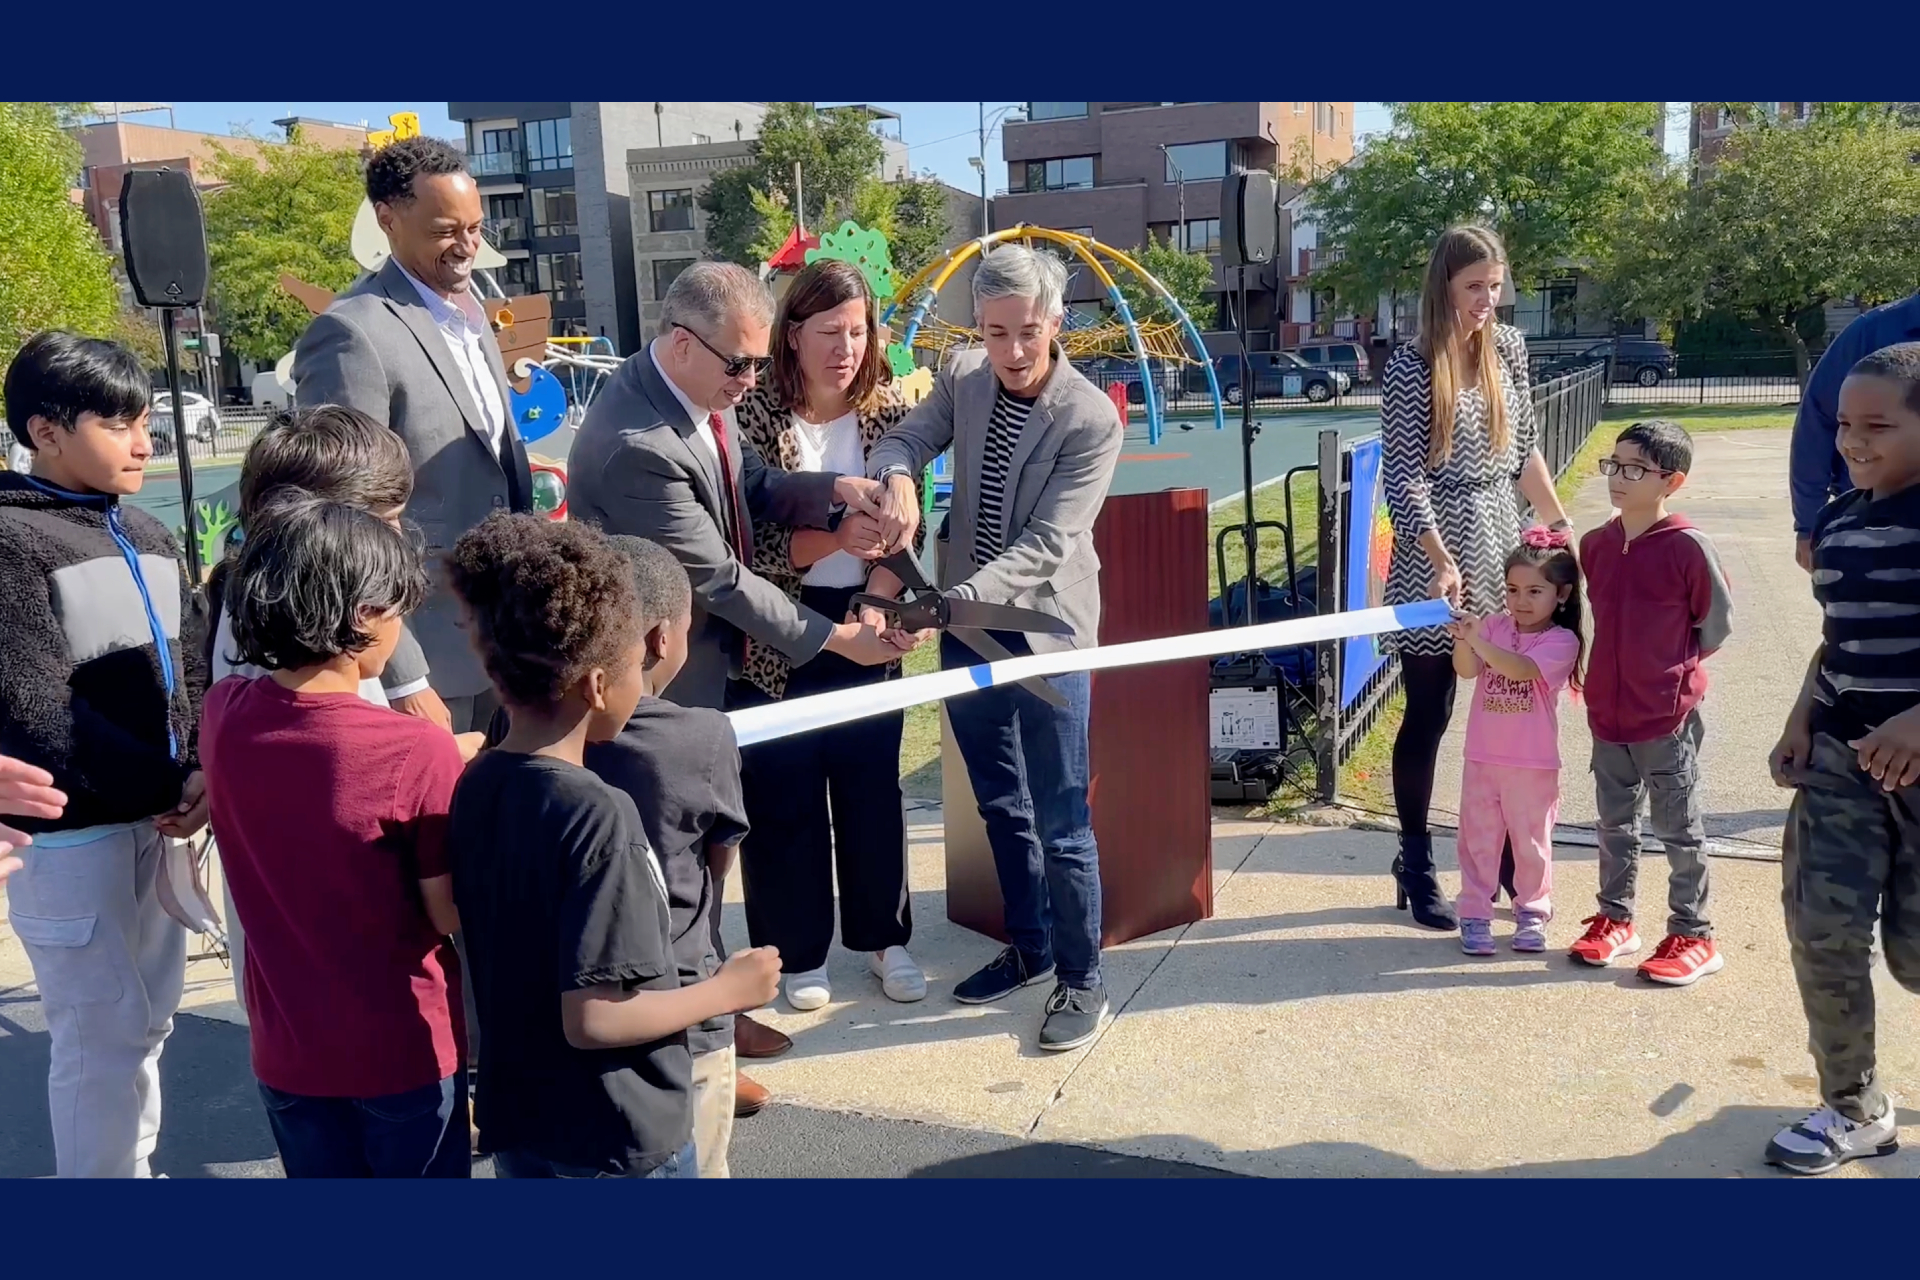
[1519, 660]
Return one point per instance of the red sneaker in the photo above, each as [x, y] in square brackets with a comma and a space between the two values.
[1681, 961]
[1605, 939]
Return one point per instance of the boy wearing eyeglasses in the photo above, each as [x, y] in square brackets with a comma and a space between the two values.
[1660, 605]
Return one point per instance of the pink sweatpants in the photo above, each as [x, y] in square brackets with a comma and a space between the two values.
[1498, 802]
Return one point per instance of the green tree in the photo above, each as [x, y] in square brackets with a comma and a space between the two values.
[1549, 176]
[1187, 276]
[920, 224]
[285, 209]
[836, 152]
[1786, 220]
[54, 272]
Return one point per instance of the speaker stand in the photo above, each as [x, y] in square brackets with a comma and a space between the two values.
[182, 437]
[1249, 388]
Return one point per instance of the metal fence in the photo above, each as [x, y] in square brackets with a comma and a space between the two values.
[1567, 409]
[1650, 379]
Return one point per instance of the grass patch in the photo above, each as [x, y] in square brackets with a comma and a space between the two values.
[1704, 417]
[920, 744]
[1269, 503]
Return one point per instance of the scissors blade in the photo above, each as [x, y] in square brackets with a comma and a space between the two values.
[1003, 617]
[993, 651]
[904, 567]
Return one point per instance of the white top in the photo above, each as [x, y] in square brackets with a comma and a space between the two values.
[834, 448]
[698, 415]
[224, 666]
[464, 326]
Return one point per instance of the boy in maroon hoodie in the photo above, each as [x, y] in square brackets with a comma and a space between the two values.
[1660, 604]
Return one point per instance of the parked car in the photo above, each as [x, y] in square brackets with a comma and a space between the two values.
[203, 420]
[1104, 371]
[1637, 360]
[1274, 375]
[1347, 356]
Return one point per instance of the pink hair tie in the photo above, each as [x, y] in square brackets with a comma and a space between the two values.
[1541, 538]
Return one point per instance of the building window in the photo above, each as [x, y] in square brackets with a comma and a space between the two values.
[702, 139]
[670, 210]
[502, 207]
[1803, 111]
[1299, 108]
[549, 144]
[1203, 235]
[1056, 110]
[559, 275]
[555, 212]
[516, 278]
[1323, 117]
[499, 141]
[1066, 174]
[1766, 110]
[1563, 317]
[665, 272]
[1196, 161]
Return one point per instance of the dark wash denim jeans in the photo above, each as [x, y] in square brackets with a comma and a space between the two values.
[1030, 770]
[421, 1133]
[684, 1163]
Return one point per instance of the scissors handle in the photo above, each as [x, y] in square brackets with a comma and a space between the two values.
[927, 613]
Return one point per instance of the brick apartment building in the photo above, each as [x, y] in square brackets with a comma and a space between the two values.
[1120, 171]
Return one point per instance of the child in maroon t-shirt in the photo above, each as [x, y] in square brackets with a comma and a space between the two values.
[331, 814]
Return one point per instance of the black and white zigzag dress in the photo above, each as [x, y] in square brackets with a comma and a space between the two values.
[1470, 497]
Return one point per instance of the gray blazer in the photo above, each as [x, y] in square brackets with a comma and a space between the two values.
[1057, 479]
[377, 350]
[637, 468]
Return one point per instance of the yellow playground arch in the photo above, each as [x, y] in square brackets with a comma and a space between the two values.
[1178, 340]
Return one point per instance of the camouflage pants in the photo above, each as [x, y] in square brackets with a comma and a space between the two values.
[1852, 856]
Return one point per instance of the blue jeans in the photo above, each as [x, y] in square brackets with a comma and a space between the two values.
[1029, 766]
[684, 1163]
[421, 1133]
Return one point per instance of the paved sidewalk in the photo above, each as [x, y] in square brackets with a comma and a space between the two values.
[1307, 1029]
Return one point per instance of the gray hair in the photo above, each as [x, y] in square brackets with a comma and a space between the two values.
[1015, 271]
[706, 295]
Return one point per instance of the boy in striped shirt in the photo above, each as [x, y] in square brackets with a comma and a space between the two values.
[1851, 751]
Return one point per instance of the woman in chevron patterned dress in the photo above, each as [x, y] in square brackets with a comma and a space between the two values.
[1457, 437]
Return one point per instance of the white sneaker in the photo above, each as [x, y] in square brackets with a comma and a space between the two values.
[809, 989]
[900, 977]
[1826, 1140]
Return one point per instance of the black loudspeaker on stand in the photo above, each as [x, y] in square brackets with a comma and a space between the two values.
[165, 238]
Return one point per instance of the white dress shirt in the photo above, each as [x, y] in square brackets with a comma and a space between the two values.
[701, 427]
[834, 447]
[464, 326]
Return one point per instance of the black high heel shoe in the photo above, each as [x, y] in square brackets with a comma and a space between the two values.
[1417, 888]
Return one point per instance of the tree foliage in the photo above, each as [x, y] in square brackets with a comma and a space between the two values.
[1548, 176]
[282, 209]
[836, 152]
[1187, 276]
[1786, 219]
[54, 271]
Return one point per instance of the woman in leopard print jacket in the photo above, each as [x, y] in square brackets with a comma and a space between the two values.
[830, 800]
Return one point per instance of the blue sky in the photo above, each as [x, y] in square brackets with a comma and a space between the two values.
[940, 135]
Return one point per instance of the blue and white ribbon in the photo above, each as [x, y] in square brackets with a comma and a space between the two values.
[803, 715]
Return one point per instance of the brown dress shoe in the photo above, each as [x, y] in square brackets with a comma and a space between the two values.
[757, 1040]
[749, 1096]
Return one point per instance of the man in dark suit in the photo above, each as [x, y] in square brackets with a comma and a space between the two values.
[411, 347]
[658, 457]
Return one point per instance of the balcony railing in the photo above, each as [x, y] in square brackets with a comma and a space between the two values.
[496, 164]
[505, 231]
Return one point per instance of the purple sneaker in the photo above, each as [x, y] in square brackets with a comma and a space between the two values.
[1532, 933]
[1476, 937]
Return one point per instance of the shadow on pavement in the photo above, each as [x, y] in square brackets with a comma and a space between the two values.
[213, 1124]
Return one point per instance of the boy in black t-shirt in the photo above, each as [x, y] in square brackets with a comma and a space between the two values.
[1851, 751]
[681, 768]
[563, 904]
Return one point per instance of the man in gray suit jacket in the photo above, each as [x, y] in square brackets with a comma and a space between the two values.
[658, 457]
[410, 347]
[1034, 448]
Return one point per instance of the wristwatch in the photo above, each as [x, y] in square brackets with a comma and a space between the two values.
[889, 472]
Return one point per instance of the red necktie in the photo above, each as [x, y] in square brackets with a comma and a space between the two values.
[741, 537]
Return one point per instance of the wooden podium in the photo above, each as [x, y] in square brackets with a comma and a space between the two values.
[1152, 806]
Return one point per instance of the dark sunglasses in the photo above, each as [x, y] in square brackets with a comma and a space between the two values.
[1633, 471]
[734, 366]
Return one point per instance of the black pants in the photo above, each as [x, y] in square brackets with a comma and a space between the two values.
[820, 803]
[1430, 683]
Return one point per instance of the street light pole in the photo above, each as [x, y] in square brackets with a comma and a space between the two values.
[1180, 182]
[982, 155]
